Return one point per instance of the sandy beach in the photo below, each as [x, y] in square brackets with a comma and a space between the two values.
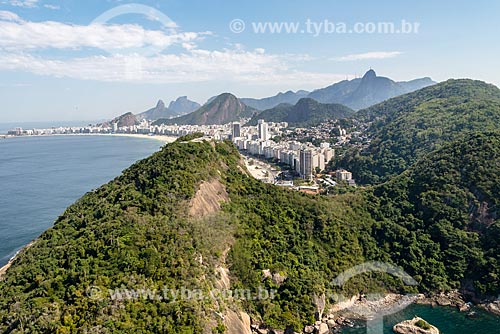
[161, 138]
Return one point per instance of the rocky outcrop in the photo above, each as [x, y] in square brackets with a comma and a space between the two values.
[237, 323]
[451, 299]
[415, 326]
[208, 199]
[493, 307]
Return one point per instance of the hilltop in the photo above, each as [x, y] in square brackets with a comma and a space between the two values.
[225, 108]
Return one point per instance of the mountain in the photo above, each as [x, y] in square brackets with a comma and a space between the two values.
[357, 94]
[367, 91]
[307, 112]
[140, 251]
[225, 108]
[178, 107]
[127, 119]
[183, 106]
[271, 102]
[160, 111]
[407, 127]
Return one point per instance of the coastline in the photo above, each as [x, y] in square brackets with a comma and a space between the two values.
[161, 138]
[5, 268]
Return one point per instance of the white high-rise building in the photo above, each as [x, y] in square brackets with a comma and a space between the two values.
[263, 130]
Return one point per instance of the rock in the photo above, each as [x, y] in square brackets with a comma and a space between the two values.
[464, 307]
[323, 329]
[493, 307]
[443, 301]
[308, 329]
[413, 327]
[331, 323]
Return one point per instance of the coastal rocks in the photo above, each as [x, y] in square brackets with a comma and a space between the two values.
[493, 307]
[451, 299]
[415, 326]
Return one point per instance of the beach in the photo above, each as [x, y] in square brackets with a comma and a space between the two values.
[162, 138]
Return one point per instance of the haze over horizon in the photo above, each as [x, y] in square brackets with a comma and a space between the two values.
[67, 60]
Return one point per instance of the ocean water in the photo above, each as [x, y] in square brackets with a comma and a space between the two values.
[448, 320]
[41, 176]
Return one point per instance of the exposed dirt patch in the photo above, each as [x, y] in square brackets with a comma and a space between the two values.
[208, 198]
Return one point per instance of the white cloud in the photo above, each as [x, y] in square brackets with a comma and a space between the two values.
[53, 7]
[369, 55]
[21, 35]
[118, 55]
[193, 66]
[9, 16]
[23, 3]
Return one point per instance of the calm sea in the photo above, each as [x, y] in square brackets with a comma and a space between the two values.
[448, 320]
[41, 176]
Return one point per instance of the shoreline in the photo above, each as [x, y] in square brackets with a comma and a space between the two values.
[162, 138]
[5, 268]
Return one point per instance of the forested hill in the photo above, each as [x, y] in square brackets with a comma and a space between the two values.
[407, 127]
[307, 112]
[180, 218]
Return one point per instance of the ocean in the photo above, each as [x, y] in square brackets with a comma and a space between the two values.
[447, 319]
[41, 176]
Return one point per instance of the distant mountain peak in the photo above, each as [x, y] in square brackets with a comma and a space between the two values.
[222, 109]
[370, 74]
[160, 104]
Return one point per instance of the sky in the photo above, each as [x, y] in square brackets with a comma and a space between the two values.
[91, 60]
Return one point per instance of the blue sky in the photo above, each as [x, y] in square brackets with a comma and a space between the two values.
[59, 61]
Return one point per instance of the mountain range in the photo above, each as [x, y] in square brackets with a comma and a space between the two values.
[357, 94]
[180, 106]
[307, 112]
[225, 108]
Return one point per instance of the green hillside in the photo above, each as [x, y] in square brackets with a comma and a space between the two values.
[408, 127]
[307, 112]
[159, 226]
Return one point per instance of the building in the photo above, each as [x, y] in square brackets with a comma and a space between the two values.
[263, 130]
[343, 175]
[306, 164]
[236, 130]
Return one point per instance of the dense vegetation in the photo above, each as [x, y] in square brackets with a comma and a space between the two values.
[307, 112]
[407, 127]
[438, 220]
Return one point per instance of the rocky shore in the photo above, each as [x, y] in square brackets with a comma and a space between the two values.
[415, 326]
[459, 301]
[360, 307]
